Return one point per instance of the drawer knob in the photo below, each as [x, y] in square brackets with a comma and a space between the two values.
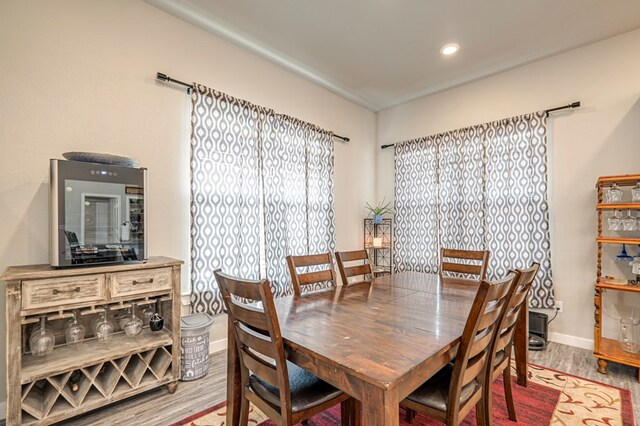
[73, 290]
[149, 281]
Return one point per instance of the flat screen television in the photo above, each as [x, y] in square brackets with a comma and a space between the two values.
[97, 213]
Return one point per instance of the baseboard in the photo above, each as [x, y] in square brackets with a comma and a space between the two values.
[565, 339]
[185, 299]
[3, 410]
[218, 345]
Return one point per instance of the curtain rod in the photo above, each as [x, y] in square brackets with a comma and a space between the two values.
[163, 77]
[547, 111]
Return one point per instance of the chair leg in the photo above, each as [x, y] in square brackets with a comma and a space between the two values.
[506, 378]
[481, 415]
[410, 414]
[244, 411]
[484, 407]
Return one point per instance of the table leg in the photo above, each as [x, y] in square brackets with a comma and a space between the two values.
[233, 379]
[521, 344]
[380, 408]
[350, 412]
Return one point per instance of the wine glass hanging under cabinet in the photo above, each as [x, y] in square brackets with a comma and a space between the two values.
[378, 241]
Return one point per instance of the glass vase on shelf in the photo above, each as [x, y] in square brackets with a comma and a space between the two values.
[628, 339]
[42, 339]
[614, 194]
[74, 332]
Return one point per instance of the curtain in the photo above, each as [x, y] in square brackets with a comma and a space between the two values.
[416, 211]
[261, 189]
[485, 188]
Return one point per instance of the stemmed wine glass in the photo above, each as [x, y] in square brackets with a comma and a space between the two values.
[133, 326]
[42, 339]
[614, 194]
[635, 193]
[629, 222]
[74, 333]
[103, 327]
[615, 221]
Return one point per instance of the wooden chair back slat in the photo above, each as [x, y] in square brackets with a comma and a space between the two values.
[312, 259]
[350, 256]
[479, 333]
[302, 280]
[474, 368]
[248, 315]
[464, 254]
[315, 277]
[353, 271]
[258, 338]
[260, 367]
[347, 272]
[480, 345]
[489, 318]
[257, 341]
[462, 268]
[449, 265]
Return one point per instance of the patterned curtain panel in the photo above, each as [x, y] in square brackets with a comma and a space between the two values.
[298, 195]
[416, 205]
[460, 190]
[517, 213]
[482, 187]
[261, 189]
[225, 197]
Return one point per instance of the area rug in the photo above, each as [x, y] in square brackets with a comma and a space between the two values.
[551, 398]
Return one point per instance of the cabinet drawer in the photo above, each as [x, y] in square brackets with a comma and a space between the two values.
[130, 283]
[59, 291]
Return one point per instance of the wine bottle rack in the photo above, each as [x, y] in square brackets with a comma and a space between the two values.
[47, 400]
[75, 379]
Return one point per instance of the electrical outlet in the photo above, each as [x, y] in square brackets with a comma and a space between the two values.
[559, 306]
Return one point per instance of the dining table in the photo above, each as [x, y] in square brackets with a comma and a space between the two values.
[376, 340]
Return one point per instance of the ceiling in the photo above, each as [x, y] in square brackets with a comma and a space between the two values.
[380, 53]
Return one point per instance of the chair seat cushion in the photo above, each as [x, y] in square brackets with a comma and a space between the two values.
[434, 393]
[307, 390]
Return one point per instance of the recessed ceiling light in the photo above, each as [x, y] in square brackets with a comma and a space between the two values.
[449, 49]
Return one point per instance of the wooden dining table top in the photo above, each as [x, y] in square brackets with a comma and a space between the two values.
[380, 331]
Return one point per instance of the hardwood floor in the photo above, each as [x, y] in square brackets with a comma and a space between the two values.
[158, 407]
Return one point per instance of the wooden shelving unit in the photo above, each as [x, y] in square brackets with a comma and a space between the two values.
[606, 350]
[381, 256]
[73, 380]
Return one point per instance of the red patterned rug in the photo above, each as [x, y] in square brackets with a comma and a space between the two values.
[551, 398]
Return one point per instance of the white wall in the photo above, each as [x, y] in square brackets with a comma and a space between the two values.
[602, 138]
[80, 75]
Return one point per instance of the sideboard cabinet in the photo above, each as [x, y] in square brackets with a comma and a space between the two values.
[74, 379]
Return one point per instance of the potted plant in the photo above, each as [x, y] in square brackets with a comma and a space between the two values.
[379, 210]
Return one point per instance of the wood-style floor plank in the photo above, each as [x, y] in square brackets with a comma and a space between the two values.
[159, 408]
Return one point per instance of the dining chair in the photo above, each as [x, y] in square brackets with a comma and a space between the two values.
[284, 392]
[308, 279]
[502, 343]
[453, 391]
[347, 272]
[465, 262]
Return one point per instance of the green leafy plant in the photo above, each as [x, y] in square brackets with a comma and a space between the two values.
[380, 209]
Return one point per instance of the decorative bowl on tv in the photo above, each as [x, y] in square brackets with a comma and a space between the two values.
[99, 158]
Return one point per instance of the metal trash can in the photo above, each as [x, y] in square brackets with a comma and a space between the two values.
[194, 346]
